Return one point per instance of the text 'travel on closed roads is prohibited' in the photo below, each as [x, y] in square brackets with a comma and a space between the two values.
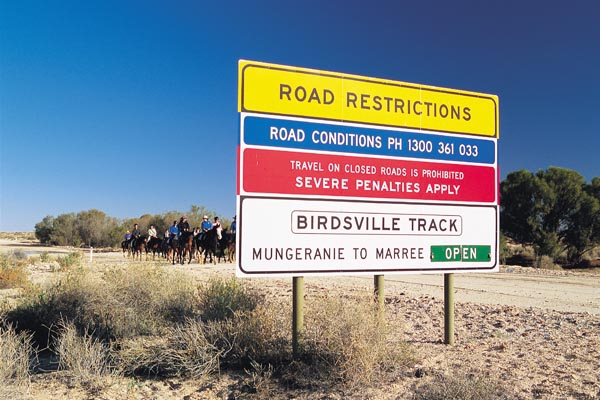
[344, 174]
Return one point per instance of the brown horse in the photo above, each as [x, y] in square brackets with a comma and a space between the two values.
[125, 245]
[153, 245]
[186, 242]
[174, 249]
[137, 246]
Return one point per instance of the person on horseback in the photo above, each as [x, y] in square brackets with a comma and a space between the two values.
[135, 234]
[233, 229]
[183, 225]
[127, 236]
[205, 226]
[173, 231]
[151, 233]
[218, 227]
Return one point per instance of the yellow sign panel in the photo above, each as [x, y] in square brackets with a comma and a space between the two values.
[283, 90]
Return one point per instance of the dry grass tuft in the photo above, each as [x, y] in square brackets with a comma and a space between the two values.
[184, 351]
[461, 386]
[13, 271]
[16, 358]
[259, 336]
[83, 356]
[344, 342]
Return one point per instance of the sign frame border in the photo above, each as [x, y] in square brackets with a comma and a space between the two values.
[314, 272]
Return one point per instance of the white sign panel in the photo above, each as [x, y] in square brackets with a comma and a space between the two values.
[300, 237]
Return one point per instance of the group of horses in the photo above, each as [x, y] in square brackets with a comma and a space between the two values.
[187, 246]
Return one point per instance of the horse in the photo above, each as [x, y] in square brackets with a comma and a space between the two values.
[209, 244]
[230, 243]
[164, 247]
[174, 249]
[137, 245]
[186, 242]
[126, 246]
[153, 245]
[224, 244]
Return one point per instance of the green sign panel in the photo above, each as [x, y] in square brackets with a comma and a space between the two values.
[459, 253]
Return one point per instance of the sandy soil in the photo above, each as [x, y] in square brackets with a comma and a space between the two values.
[536, 331]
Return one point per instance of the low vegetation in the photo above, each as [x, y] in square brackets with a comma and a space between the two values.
[150, 321]
[461, 386]
[13, 270]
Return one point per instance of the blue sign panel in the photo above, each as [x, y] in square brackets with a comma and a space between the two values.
[305, 135]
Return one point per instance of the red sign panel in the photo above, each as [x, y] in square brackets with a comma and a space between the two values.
[297, 173]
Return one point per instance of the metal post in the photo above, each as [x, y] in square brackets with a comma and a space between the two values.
[380, 296]
[297, 314]
[449, 308]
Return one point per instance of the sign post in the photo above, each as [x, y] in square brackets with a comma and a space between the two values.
[363, 176]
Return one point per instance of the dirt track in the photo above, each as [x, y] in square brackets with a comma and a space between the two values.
[513, 286]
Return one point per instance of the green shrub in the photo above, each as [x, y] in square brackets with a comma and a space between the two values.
[141, 300]
[18, 255]
[221, 298]
[45, 257]
[69, 261]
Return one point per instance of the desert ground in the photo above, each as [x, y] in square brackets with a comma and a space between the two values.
[535, 331]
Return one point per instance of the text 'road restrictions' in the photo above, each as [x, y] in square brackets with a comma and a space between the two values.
[345, 138]
[295, 173]
[336, 237]
[284, 90]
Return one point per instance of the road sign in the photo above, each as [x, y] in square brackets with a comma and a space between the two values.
[330, 184]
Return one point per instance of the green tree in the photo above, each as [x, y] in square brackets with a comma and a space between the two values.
[44, 229]
[91, 226]
[65, 231]
[583, 233]
[521, 206]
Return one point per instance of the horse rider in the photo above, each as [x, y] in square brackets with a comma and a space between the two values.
[173, 231]
[151, 233]
[205, 226]
[127, 236]
[217, 225]
[136, 233]
[183, 225]
[233, 229]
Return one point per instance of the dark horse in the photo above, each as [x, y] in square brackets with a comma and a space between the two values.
[126, 246]
[186, 242]
[153, 245]
[209, 244]
[225, 244]
[137, 246]
[174, 249]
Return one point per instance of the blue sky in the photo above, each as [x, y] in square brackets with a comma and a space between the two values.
[130, 107]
